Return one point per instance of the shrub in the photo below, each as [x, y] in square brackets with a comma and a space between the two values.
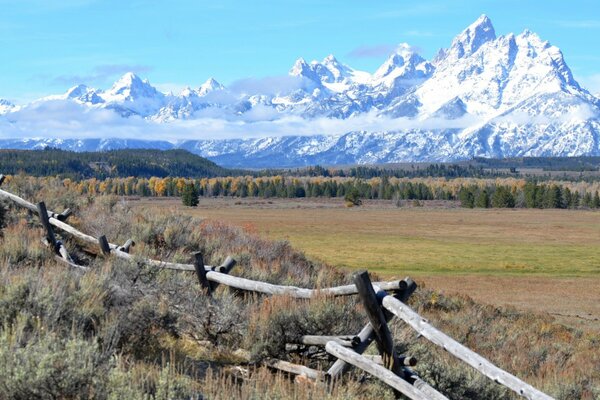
[352, 197]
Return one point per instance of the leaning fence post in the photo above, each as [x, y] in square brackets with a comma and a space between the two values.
[104, 246]
[43, 213]
[377, 320]
[201, 272]
[2, 177]
[367, 335]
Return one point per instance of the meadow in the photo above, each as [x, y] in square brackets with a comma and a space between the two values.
[421, 241]
[538, 260]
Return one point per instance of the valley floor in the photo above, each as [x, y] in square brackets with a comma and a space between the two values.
[538, 260]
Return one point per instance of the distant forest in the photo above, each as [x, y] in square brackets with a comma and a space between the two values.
[114, 163]
[142, 163]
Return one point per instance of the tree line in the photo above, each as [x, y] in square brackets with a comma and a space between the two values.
[531, 195]
[470, 192]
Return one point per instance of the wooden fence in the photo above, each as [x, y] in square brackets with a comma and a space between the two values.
[380, 306]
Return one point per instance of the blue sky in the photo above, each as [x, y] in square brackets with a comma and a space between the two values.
[50, 45]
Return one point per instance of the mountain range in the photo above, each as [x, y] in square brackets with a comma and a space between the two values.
[483, 96]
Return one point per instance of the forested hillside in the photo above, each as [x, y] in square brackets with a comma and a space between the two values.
[114, 163]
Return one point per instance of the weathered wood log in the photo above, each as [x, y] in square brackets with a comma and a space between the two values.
[43, 214]
[62, 250]
[406, 361]
[104, 246]
[201, 272]
[295, 369]
[128, 244]
[378, 371]
[478, 362]
[224, 268]
[383, 336]
[315, 340]
[63, 216]
[426, 388]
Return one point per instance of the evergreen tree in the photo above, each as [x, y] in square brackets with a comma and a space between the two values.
[503, 198]
[466, 197]
[596, 200]
[189, 196]
[483, 199]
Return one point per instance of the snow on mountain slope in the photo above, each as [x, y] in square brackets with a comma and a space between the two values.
[6, 106]
[485, 95]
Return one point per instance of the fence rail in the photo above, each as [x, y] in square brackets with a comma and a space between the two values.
[380, 306]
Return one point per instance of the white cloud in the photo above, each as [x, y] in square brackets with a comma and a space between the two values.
[68, 120]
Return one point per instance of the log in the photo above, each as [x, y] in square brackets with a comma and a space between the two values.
[43, 213]
[426, 388]
[378, 371]
[294, 369]
[201, 272]
[61, 255]
[128, 244]
[227, 265]
[478, 362]
[315, 340]
[104, 246]
[63, 216]
[377, 319]
[62, 250]
[406, 361]
[224, 268]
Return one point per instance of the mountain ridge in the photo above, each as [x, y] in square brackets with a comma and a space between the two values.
[484, 95]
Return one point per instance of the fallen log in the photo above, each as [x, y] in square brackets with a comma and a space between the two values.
[315, 340]
[294, 369]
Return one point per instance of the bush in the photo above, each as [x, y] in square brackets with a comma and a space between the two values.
[352, 197]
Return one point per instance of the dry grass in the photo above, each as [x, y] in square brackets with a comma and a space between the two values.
[136, 332]
[422, 241]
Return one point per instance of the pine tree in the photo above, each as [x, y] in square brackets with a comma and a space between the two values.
[503, 198]
[596, 201]
[483, 199]
[190, 195]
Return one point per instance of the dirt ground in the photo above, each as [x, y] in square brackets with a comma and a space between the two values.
[572, 301]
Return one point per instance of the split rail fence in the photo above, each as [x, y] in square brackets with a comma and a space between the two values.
[380, 306]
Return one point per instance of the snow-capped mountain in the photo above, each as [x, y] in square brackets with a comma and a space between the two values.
[484, 95]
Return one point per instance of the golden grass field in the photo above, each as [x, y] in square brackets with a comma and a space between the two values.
[525, 258]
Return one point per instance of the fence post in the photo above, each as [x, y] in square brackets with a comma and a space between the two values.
[104, 246]
[2, 177]
[43, 213]
[367, 335]
[201, 272]
[377, 320]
